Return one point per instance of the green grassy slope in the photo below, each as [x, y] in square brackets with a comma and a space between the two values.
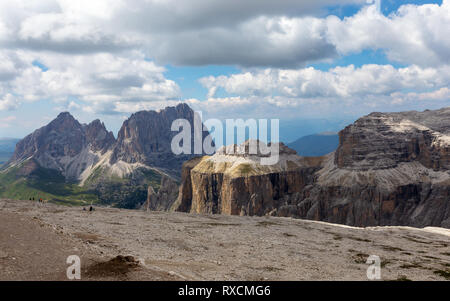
[43, 183]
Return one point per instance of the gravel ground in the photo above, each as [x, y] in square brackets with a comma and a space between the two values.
[35, 240]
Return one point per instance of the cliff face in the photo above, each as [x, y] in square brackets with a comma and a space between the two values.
[380, 141]
[409, 194]
[237, 184]
[389, 169]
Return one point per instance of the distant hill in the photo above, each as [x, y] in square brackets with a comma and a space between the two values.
[7, 146]
[316, 145]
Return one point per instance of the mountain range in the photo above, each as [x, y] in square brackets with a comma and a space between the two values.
[72, 162]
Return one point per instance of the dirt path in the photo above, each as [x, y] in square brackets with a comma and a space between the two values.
[171, 246]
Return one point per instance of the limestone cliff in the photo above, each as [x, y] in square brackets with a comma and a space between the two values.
[238, 184]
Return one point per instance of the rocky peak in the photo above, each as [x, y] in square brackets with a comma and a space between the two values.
[146, 138]
[64, 122]
[64, 144]
[63, 136]
[163, 199]
[239, 160]
[98, 137]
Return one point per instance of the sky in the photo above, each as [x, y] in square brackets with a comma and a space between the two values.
[315, 65]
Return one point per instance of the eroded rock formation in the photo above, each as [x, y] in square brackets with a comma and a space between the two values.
[165, 196]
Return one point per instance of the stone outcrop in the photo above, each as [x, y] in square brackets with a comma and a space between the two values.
[165, 196]
[389, 169]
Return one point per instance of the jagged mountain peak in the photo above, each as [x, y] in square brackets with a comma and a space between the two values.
[97, 122]
[64, 115]
[98, 137]
[63, 122]
[146, 138]
[180, 109]
[88, 155]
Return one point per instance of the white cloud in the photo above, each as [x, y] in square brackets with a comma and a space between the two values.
[259, 33]
[337, 82]
[415, 34]
[442, 94]
[8, 103]
[299, 108]
[97, 79]
[263, 41]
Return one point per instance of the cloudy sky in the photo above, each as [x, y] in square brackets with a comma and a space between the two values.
[313, 64]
